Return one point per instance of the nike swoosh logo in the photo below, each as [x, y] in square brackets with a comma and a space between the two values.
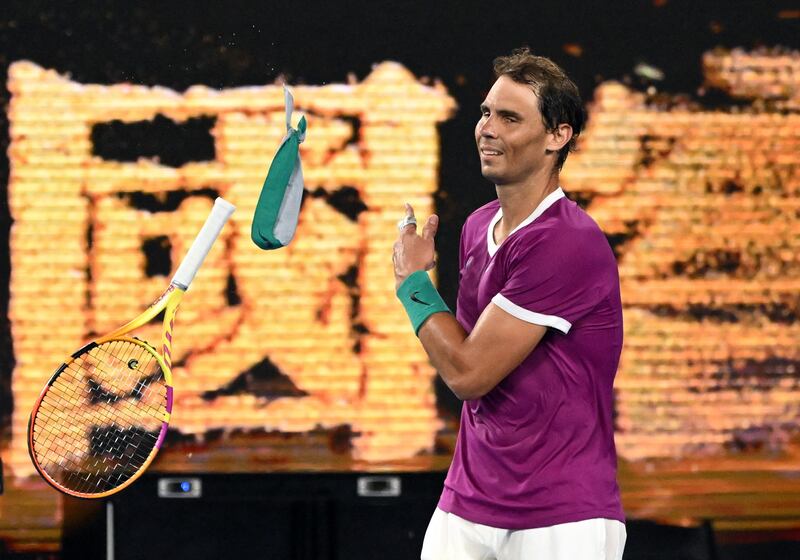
[415, 299]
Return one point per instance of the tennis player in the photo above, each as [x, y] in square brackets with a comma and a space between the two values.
[534, 345]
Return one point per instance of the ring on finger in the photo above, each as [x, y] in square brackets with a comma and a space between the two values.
[407, 220]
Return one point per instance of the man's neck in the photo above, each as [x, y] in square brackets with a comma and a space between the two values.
[518, 201]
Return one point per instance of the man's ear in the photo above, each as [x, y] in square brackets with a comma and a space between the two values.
[559, 137]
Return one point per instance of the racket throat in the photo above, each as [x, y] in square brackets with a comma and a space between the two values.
[168, 325]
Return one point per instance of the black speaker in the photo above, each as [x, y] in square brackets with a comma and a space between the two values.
[192, 517]
[385, 516]
[191, 530]
[326, 516]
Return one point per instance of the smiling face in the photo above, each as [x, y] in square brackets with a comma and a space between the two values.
[511, 136]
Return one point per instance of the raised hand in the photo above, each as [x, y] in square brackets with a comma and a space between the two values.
[413, 252]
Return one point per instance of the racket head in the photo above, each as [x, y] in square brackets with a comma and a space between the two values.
[101, 419]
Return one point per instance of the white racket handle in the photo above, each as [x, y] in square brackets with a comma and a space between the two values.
[202, 244]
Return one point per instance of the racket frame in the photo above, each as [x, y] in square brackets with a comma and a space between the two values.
[167, 302]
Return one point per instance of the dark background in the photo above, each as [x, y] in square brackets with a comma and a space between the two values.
[237, 43]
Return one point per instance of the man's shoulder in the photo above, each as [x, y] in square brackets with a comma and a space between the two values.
[565, 229]
[569, 219]
[483, 215]
[488, 209]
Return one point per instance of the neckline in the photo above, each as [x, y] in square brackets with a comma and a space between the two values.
[546, 203]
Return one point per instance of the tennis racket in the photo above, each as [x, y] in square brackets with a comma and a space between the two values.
[101, 419]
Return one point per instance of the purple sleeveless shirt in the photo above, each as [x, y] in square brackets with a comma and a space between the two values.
[538, 449]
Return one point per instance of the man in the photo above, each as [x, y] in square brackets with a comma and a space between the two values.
[535, 343]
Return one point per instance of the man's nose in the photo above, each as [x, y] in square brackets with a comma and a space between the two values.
[486, 128]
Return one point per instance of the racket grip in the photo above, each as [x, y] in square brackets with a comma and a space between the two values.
[202, 244]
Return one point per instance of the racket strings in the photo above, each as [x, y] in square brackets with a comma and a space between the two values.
[101, 418]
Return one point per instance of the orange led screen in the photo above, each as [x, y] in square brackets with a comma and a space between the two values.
[701, 206]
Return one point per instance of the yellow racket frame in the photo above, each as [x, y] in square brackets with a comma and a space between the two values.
[169, 300]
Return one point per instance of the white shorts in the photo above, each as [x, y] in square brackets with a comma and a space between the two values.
[450, 537]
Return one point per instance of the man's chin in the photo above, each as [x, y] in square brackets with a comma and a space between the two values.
[496, 178]
[490, 174]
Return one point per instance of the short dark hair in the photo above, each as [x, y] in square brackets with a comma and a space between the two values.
[559, 98]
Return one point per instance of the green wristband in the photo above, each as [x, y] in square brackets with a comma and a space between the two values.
[420, 299]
